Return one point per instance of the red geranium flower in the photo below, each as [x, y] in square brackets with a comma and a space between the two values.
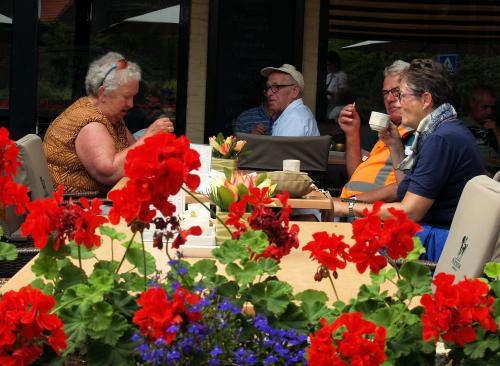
[161, 317]
[181, 237]
[456, 310]
[349, 340]
[375, 237]
[64, 222]
[27, 326]
[8, 154]
[282, 237]
[329, 251]
[156, 170]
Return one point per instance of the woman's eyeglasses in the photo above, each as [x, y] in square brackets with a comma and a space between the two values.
[118, 65]
[276, 87]
[408, 94]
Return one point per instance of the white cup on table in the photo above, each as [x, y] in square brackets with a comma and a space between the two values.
[291, 165]
[379, 121]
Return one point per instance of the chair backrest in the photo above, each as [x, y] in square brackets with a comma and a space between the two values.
[268, 152]
[474, 237]
[497, 176]
[32, 173]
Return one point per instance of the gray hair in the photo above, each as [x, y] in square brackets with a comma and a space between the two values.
[396, 68]
[99, 73]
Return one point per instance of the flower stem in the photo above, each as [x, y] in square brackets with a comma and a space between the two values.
[124, 254]
[112, 251]
[63, 305]
[80, 257]
[333, 285]
[393, 264]
[144, 258]
[208, 208]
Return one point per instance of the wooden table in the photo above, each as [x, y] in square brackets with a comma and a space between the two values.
[314, 199]
[296, 268]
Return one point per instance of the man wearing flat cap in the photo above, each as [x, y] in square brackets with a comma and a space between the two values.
[283, 91]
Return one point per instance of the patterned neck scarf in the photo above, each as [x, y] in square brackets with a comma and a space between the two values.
[427, 126]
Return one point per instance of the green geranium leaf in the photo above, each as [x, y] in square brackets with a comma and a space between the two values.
[7, 251]
[135, 283]
[75, 328]
[245, 274]
[416, 280]
[45, 266]
[311, 296]
[46, 288]
[122, 302]
[476, 350]
[385, 274]
[98, 318]
[293, 318]
[228, 289]
[101, 280]
[389, 318]
[230, 251]
[70, 275]
[370, 292]
[273, 296]
[101, 354]
[418, 250]
[205, 267]
[88, 295]
[109, 266]
[492, 270]
[112, 334]
[314, 311]
[112, 233]
[256, 240]
[85, 253]
[268, 266]
[135, 256]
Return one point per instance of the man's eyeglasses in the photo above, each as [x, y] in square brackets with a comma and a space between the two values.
[118, 65]
[394, 92]
[275, 87]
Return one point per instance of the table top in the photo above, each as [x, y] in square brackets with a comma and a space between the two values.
[296, 268]
[315, 199]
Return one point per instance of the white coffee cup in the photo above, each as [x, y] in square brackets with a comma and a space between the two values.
[291, 165]
[379, 121]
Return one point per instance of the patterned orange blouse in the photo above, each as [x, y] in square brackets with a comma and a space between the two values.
[59, 144]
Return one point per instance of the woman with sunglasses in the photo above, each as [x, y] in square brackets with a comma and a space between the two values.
[444, 156]
[86, 145]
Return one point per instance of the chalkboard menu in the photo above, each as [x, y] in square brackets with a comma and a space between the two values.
[245, 36]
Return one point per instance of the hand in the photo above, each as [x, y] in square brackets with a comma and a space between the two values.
[390, 136]
[162, 124]
[349, 120]
[259, 129]
[490, 124]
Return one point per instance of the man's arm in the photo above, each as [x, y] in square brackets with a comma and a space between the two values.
[386, 194]
[350, 123]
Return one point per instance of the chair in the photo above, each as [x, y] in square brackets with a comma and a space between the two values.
[268, 153]
[474, 237]
[34, 174]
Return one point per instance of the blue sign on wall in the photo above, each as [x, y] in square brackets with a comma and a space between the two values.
[450, 62]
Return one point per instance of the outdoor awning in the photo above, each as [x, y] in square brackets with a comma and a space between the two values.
[416, 20]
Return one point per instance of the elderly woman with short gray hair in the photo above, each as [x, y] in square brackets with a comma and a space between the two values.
[86, 145]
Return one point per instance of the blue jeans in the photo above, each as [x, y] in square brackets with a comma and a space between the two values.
[433, 239]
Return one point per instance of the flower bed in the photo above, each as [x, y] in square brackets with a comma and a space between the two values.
[245, 315]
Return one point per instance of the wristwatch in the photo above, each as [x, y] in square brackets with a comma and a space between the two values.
[351, 208]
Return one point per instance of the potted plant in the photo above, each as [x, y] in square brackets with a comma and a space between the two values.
[225, 151]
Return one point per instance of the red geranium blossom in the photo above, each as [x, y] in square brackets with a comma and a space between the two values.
[373, 237]
[156, 170]
[329, 251]
[349, 340]
[161, 317]
[282, 237]
[27, 326]
[64, 222]
[11, 193]
[455, 310]
[182, 235]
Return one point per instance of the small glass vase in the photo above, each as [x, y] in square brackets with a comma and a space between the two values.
[219, 164]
